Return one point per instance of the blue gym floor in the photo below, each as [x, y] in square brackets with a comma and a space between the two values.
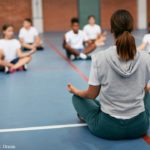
[39, 98]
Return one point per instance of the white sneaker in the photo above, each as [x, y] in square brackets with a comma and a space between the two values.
[72, 57]
[25, 67]
[82, 56]
[6, 70]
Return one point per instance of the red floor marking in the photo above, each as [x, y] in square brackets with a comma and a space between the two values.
[52, 46]
[147, 139]
[82, 75]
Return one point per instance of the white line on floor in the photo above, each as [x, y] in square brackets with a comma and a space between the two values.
[42, 128]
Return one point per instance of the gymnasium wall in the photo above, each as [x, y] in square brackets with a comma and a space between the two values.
[148, 10]
[57, 14]
[14, 11]
[109, 6]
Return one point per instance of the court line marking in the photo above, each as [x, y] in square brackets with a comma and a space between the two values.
[42, 128]
[82, 75]
[54, 48]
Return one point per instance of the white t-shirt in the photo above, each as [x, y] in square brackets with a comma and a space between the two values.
[146, 40]
[92, 31]
[28, 35]
[9, 48]
[76, 40]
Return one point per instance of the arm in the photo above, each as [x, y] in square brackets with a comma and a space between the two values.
[142, 46]
[91, 93]
[66, 45]
[23, 44]
[3, 62]
[26, 54]
[69, 48]
[37, 41]
[147, 88]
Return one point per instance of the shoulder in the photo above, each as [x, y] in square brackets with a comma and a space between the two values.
[81, 32]
[33, 29]
[2, 41]
[68, 33]
[147, 37]
[22, 29]
[100, 57]
[144, 55]
[97, 26]
[15, 42]
[86, 27]
[105, 52]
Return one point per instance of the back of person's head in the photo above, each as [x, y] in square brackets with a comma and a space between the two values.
[122, 25]
[74, 20]
[6, 27]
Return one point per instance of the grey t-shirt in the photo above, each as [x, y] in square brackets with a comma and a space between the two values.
[122, 82]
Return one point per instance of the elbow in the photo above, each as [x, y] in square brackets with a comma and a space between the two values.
[64, 45]
[92, 97]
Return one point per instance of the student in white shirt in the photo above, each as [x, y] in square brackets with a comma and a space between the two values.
[75, 42]
[146, 41]
[11, 56]
[29, 36]
[93, 31]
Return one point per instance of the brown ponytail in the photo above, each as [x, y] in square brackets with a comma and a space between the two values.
[121, 26]
[126, 47]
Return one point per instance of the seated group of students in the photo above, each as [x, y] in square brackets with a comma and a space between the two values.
[16, 54]
[80, 43]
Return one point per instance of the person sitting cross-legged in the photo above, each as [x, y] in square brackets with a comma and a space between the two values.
[76, 44]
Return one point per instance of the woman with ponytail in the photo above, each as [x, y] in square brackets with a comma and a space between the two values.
[119, 76]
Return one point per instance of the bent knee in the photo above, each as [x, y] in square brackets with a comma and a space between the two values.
[29, 58]
[76, 99]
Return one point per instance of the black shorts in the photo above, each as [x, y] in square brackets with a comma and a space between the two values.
[2, 68]
[26, 49]
[40, 48]
[14, 61]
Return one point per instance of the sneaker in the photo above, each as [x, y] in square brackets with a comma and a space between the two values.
[20, 68]
[80, 118]
[40, 48]
[25, 67]
[6, 70]
[82, 56]
[72, 57]
[10, 71]
[89, 57]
